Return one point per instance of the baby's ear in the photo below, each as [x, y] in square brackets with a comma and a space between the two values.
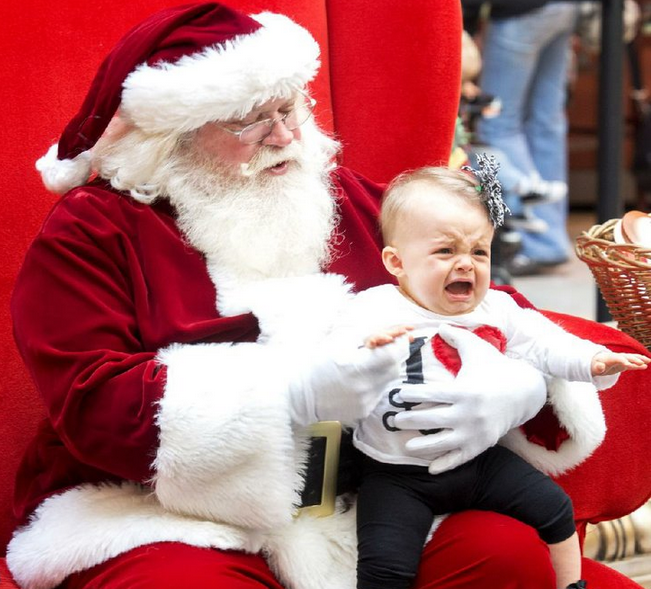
[392, 261]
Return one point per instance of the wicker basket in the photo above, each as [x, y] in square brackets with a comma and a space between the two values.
[623, 273]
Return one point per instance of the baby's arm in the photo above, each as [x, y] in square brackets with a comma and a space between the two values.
[386, 337]
[606, 363]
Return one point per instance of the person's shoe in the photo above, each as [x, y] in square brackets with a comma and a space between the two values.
[500, 276]
[522, 265]
[509, 243]
[554, 262]
[578, 585]
[542, 191]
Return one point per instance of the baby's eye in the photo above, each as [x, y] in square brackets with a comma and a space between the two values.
[480, 252]
[444, 251]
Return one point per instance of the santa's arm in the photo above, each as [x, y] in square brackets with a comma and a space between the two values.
[207, 426]
[293, 376]
[77, 330]
[190, 420]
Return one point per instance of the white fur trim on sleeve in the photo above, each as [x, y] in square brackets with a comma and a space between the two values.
[578, 409]
[227, 451]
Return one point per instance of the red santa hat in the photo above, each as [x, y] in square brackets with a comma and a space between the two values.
[179, 69]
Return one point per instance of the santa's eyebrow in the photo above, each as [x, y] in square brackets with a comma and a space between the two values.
[262, 115]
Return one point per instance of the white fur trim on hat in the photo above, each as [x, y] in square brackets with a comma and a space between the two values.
[59, 176]
[222, 82]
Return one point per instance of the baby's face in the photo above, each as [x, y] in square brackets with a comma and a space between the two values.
[444, 255]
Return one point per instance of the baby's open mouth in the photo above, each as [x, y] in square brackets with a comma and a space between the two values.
[459, 287]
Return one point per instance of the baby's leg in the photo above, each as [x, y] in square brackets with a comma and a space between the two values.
[566, 560]
[392, 525]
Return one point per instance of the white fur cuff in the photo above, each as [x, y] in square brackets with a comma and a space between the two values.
[225, 435]
[578, 409]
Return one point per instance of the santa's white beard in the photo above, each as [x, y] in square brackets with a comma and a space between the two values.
[256, 225]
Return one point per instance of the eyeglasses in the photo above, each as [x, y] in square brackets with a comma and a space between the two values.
[260, 130]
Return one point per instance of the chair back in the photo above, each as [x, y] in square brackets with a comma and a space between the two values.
[391, 101]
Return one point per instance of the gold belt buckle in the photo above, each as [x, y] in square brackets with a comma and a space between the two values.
[330, 432]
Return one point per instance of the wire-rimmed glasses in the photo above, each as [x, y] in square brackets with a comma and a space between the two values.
[260, 130]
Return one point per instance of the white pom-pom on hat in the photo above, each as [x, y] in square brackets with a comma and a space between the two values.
[59, 176]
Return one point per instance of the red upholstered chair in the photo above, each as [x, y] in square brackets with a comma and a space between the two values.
[388, 88]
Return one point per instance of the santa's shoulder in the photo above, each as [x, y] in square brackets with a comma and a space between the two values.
[96, 205]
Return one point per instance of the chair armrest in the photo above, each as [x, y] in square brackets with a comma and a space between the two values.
[616, 479]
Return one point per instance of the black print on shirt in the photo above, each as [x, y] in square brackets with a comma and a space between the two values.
[414, 376]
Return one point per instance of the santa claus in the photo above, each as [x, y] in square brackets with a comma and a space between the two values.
[197, 191]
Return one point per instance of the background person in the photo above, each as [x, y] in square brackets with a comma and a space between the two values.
[526, 53]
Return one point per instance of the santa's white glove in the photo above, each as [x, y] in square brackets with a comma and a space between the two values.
[491, 395]
[344, 382]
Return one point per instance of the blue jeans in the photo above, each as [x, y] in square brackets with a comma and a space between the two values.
[526, 60]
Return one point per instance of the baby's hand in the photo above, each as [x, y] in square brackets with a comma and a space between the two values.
[386, 337]
[607, 363]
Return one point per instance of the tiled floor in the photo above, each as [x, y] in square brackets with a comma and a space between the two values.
[569, 288]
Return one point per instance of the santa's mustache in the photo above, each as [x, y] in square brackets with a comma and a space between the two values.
[268, 157]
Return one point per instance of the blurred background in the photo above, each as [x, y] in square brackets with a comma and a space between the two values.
[599, 94]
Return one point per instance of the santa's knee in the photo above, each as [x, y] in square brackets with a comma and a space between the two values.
[485, 549]
[170, 565]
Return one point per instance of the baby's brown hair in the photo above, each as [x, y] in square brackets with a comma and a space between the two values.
[396, 198]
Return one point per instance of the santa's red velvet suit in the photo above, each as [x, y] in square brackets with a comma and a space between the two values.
[205, 469]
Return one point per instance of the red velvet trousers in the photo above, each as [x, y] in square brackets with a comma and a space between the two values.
[470, 550]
